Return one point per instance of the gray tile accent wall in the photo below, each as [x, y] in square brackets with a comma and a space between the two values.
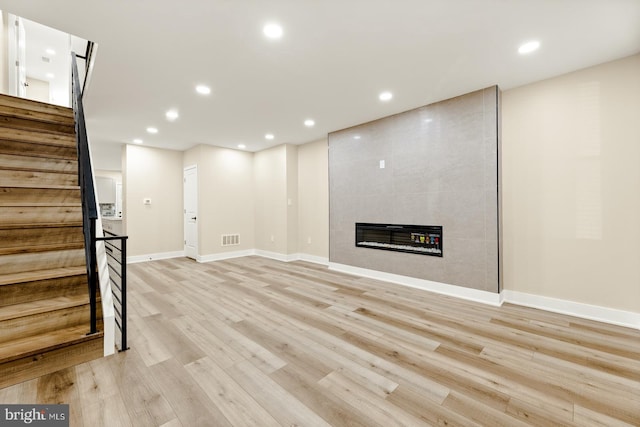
[441, 168]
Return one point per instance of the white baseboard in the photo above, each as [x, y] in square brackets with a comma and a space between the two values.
[155, 257]
[225, 255]
[277, 256]
[577, 309]
[427, 285]
[314, 259]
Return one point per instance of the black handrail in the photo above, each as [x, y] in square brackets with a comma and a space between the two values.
[89, 207]
[117, 264]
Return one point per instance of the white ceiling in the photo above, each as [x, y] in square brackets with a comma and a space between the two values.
[333, 61]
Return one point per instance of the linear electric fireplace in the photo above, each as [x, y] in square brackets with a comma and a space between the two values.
[415, 239]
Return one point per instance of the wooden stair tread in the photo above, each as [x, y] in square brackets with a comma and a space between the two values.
[32, 276]
[38, 136]
[29, 346]
[42, 186]
[30, 104]
[42, 306]
[41, 225]
[41, 248]
[41, 204]
[37, 163]
[24, 112]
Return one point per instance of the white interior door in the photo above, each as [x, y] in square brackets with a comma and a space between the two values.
[191, 211]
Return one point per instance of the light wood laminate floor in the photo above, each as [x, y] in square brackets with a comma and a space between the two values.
[257, 342]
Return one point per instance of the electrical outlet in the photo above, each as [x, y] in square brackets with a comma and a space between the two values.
[308, 240]
[273, 239]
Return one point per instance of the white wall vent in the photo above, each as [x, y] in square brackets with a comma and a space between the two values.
[230, 239]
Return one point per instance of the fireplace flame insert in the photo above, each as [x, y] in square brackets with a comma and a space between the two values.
[415, 239]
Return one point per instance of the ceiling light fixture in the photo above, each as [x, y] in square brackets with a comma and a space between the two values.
[203, 90]
[171, 115]
[528, 47]
[272, 30]
[385, 96]
[309, 123]
[152, 130]
[50, 75]
[357, 137]
[269, 136]
[137, 141]
[50, 51]
[242, 146]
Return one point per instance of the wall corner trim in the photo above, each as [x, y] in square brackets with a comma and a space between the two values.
[586, 311]
[484, 297]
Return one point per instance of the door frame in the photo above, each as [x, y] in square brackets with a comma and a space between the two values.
[190, 253]
[16, 56]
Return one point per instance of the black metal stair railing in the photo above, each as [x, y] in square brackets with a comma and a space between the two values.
[116, 249]
[89, 207]
[115, 246]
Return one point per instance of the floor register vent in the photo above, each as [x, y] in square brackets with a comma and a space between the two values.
[230, 239]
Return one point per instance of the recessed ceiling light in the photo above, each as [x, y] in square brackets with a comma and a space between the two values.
[272, 30]
[242, 146]
[528, 47]
[50, 51]
[171, 115]
[137, 141]
[152, 130]
[385, 96]
[428, 120]
[269, 136]
[357, 137]
[203, 90]
[309, 123]
[50, 75]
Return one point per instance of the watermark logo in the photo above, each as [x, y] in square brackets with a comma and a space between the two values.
[34, 415]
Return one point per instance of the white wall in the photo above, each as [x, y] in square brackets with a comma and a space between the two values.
[270, 174]
[156, 174]
[225, 197]
[106, 156]
[571, 186]
[292, 199]
[313, 199]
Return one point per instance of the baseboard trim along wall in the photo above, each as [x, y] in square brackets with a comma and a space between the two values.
[155, 257]
[225, 255]
[277, 256]
[586, 311]
[427, 285]
[314, 259]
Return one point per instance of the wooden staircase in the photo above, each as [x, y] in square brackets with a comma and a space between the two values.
[44, 299]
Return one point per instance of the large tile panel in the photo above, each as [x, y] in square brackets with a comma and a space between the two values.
[441, 168]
